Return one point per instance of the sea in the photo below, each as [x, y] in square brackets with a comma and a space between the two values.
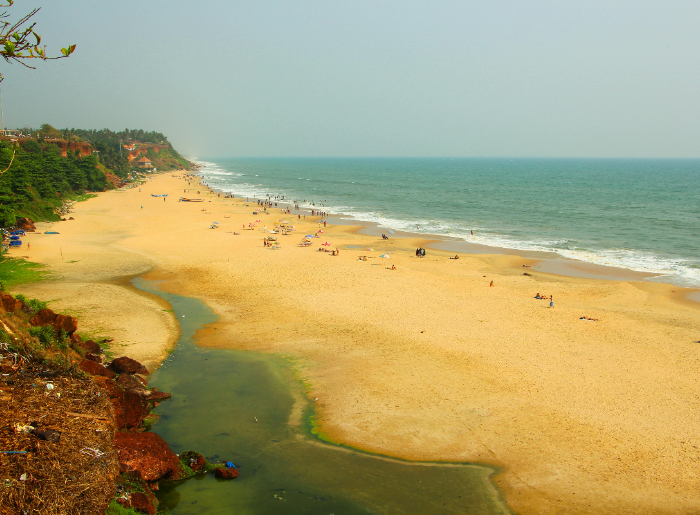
[634, 214]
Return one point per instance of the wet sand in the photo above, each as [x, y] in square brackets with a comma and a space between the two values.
[423, 362]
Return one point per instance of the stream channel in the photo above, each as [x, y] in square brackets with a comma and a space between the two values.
[284, 468]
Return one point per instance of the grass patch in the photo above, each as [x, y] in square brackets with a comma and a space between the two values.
[14, 271]
[115, 508]
[69, 311]
[83, 197]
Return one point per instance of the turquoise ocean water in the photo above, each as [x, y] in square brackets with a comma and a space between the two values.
[641, 215]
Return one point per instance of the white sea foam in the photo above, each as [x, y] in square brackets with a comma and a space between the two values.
[678, 271]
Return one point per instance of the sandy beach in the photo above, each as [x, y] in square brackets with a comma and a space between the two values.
[424, 362]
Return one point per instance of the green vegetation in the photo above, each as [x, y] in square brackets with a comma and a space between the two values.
[33, 305]
[110, 145]
[315, 429]
[116, 509]
[83, 197]
[14, 271]
[38, 175]
[46, 131]
[40, 344]
[38, 179]
[45, 334]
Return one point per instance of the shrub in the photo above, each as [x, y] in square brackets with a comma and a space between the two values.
[36, 305]
[45, 334]
[32, 305]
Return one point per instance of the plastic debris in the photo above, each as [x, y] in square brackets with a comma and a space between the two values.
[229, 465]
[23, 428]
[93, 452]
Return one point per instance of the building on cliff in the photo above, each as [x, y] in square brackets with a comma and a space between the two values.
[144, 162]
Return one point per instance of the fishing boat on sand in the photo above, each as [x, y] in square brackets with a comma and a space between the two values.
[165, 195]
[183, 199]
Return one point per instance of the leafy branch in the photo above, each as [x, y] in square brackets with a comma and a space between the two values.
[19, 41]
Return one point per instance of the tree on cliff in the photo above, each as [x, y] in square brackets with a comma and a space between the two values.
[47, 131]
[19, 41]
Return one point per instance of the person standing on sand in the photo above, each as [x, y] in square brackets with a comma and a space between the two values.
[551, 301]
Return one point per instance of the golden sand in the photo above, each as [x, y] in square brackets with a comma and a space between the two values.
[424, 362]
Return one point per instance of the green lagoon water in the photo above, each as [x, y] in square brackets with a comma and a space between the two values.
[217, 396]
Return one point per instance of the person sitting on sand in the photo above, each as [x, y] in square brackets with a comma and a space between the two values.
[538, 296]
[491, 285]
[456, 257]
[393, 267]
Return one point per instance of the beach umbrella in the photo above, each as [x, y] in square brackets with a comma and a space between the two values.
[217, 223]
[325, 243]
[391, 232]
[385, 256]
[319, 231]
[309, 236]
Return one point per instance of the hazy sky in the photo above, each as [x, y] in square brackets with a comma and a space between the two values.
[372, 78]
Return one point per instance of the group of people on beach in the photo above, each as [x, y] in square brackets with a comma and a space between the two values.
[544, 297]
